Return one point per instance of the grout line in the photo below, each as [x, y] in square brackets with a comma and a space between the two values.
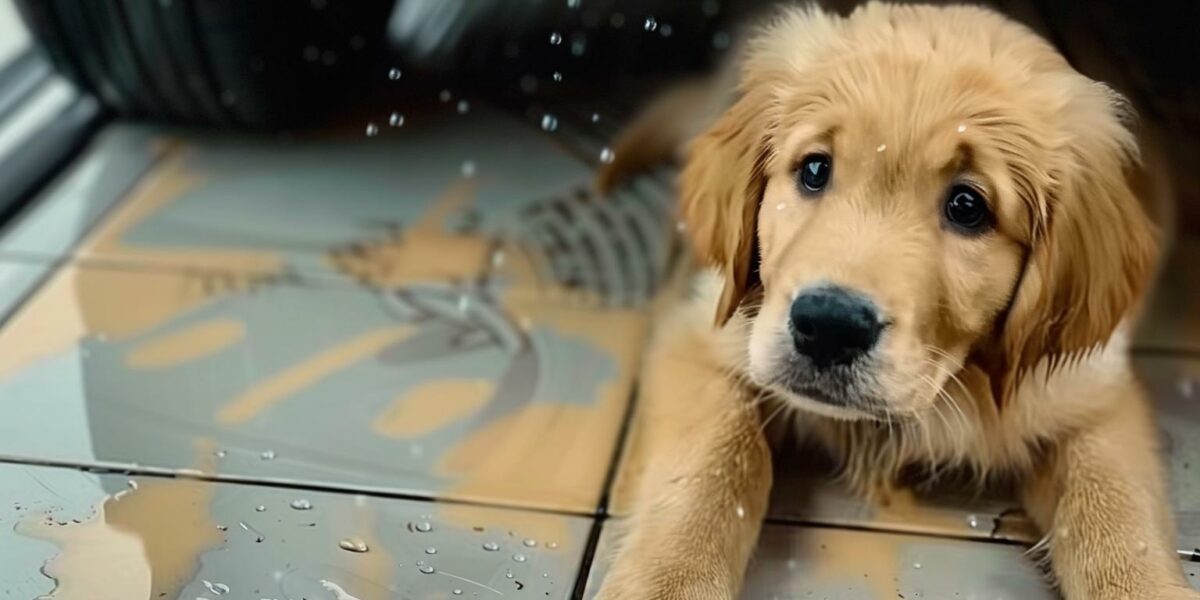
[601, 515]
[793, 522]
[105, 467]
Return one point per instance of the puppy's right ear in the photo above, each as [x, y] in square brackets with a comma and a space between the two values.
[721, 186]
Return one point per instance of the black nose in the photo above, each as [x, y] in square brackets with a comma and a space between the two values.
[834, 326]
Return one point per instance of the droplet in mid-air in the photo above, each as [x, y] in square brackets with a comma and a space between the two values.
[555, 38]
[468, 169]
[394, 74]
[572, 3]
[372, 131]
[556, 76]
[650, 25]
[444, 96]
[549, 122]
[607, 156]
[270, 454]
[396, 119]
[463, 107]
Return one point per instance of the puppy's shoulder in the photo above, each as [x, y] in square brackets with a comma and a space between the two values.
[688, 328]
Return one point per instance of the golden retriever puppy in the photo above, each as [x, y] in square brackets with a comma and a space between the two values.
[925, 246]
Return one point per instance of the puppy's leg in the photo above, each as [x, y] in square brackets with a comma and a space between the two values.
[1102, 500]
[702, 496]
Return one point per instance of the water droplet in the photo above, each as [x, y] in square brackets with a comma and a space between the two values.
[606, 155]
[595, 117]
[1142, 547]
[423, 527]
[549, 122]
[396, 120]
[353, 544]
[222, 528]
[372, 131]
[791, 564]
[916, 565]
[427, 569]
[578, 47]
[556, 76]
[219, 454]
[270, 454]
[741, 512]
[555, 38]
[1063, 533]
[961, 128]
[301, 504]
[445, 95]
[973, 521]
[498, 258]
[529, 542]
[881, 148]
[394, 73]
[650, 24]
[491, 546]
[260, 508]
[464, 303]
[720, 40]
[463, 107]
[519, 558]
[1187, 388]
[509, 574]
[457, 592]
[665, 30]
[217, 589]
[552, 545]
[468, 168]
[780, 206]
[133, 485]
[431, 550]
[680, 226]
[572, 3]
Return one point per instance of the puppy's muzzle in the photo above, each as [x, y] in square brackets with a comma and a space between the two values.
[833, 326]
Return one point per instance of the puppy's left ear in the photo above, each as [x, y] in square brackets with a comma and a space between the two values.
[1094, 248]
[721, 187]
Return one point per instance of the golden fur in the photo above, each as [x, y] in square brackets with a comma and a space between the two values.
[1006, 352]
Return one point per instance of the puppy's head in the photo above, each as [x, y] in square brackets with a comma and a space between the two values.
[909, 190]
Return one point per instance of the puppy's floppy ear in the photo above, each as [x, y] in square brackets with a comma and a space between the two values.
[1093, 250]
[722, 185]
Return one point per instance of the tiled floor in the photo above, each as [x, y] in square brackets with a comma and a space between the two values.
[433, 328]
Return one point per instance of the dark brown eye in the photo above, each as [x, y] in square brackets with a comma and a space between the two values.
[966, 210]
[814, 171]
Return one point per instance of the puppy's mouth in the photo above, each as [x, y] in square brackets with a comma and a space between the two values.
[847, 392]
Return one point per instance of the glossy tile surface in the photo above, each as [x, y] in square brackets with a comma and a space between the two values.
[431, 391]
[110, 537]
[799, 562]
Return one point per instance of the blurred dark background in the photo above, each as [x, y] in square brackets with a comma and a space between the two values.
[286, 64]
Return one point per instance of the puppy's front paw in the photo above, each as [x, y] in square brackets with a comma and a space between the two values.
[1176, 592]
[657, 587]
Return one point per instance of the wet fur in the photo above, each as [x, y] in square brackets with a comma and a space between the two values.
[1031, 376]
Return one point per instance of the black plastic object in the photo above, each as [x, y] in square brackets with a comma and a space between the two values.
[252, 63]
